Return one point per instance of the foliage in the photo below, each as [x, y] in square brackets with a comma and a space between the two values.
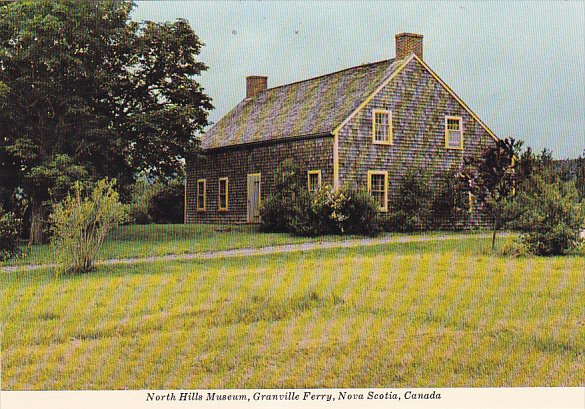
[9, 235]
[157, 201]
[277, 208]
[491, 180]
[450, 202]
[552, 216]
[516, 247]
[167, 204]
[411, 208]
[83, 85]
[292, 208]
[423, 205]
[330, 211]
[81, 222]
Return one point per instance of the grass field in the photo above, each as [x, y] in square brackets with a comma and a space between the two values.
[403, 315]
[158, 240]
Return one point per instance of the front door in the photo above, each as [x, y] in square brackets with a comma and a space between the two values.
[254, 198]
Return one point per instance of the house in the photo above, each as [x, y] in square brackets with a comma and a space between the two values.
[362, 126]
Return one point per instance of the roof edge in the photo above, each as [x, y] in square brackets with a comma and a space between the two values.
[411, 57]
[454, 95]
[373, 94]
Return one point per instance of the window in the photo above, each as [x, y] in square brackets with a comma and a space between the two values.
[378, 188]
[223, 194]
[201, 195]
[314, 180]
[382, 127]
[453, 132]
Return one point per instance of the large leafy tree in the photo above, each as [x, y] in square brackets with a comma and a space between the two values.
[86, 93]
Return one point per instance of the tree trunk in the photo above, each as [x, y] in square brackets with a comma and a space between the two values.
[494, 236]
[37, 223]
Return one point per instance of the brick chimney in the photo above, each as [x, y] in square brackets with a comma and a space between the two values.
[407, 43]
[255, 84]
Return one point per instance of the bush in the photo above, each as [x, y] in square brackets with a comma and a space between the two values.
[515, 248]
[276, 209]
[552, 217]
[9, 235]
[157, 202]
[359, 213]
[80, 223]
[411, 208]
[167, 204]
[324, 211]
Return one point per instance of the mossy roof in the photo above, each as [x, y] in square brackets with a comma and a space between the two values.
[310, 107]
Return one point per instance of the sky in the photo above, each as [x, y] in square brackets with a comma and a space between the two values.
[520, 66]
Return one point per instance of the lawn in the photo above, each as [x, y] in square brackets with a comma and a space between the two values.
[158, 240]
[440, 314]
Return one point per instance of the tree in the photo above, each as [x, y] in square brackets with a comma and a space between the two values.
[491, 180]
[88, 93]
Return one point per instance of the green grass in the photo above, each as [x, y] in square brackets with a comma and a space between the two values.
[439, 314]
[158, 240]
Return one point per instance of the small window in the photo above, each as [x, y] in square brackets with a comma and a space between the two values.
[314, 180]
[223, 194]
[201, 195]
[378, 188]
[453, 132]
[382, 127]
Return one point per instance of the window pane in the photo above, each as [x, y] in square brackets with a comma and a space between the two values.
[382, 121]
[313, 181]
[454, 139]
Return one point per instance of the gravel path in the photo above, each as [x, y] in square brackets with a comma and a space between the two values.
[286, 248]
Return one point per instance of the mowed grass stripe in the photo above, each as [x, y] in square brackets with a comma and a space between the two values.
[440, 314]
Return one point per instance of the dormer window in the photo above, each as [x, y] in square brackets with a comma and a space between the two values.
[453, 132]
[382, 127]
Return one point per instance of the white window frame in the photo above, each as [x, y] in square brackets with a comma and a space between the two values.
[384, 173]
[197, 203]
[447, 132]
[309, 186]
[390, 134]
[223, 209]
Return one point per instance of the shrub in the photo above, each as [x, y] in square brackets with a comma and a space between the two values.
[157, 202]
[359, 214]
[411, 208]
[329, 211]
[276, 209]
[81, 222]
[515, 248]
[167, 204]
[552, 217]
[9, 235]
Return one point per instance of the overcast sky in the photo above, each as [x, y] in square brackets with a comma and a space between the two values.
[519, 66]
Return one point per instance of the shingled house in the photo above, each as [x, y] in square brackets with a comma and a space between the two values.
[362, 127]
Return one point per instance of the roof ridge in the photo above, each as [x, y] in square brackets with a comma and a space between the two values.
[390, 60]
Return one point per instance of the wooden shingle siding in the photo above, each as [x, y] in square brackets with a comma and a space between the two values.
[419, 104]
[237, 162]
